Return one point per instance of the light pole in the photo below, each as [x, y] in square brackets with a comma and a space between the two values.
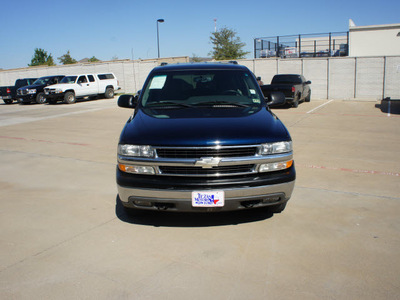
[158, 38]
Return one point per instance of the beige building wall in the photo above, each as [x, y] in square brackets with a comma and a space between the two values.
[376, 40]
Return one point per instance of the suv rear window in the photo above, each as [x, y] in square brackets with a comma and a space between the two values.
[105, 76]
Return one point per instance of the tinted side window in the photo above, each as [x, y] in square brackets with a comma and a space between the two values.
[105, 76]
[91, 78]
[82, 79]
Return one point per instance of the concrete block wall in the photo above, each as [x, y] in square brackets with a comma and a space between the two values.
[317, 71]
[392, 77]
[366, 78]
[341, 79]
[131, 74]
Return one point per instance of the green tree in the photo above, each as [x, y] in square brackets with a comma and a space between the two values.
[66, 59]
[40, 57]
[93, 59]
[226, 45]
[195, 58]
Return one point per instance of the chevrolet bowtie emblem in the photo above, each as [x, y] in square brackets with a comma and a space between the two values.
[207, 162]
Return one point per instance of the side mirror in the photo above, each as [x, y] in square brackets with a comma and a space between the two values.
[276, 98]
[258, 78]
[308, 82]
[127, 101]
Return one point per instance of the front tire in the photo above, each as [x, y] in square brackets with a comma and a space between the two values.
[295, 103]
[8, 101]
[308, 98]
[40, 98]
[69, 98]
[109, 93]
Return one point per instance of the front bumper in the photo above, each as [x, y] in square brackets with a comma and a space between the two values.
[26, 98]
[175, 194]
[55, 97]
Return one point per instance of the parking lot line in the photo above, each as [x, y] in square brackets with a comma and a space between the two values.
[350, 170]
[320, 106]
[42, 141]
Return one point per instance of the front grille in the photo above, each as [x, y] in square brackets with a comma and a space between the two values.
[215, 171]
[49, 91]
[22, 92]
[206, 152]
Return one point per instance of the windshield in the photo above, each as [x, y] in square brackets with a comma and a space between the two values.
[42, 80]
[68, 79]
[286, 79]
[202, 87]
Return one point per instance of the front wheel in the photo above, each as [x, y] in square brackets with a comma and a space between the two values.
[69, 98]
[308, 98]
[8, 101]
[109, 93]
[295, 103]
[40, 98]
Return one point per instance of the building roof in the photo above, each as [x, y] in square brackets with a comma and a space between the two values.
[375, 27]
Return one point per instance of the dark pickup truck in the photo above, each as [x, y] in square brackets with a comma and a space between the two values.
[203, 139]
[295, 88]
[9, 93]
[35, 92]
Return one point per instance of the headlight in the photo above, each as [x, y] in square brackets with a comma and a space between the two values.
[136, 150]
[31, 91]
[58, 91]
[275, 148]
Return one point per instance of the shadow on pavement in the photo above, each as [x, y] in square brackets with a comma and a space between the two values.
[172, 219]
[391, 106]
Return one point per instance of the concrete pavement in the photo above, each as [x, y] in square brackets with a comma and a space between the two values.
[63, 236]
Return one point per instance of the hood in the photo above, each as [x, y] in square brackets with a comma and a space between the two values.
[204, 127]
[57, 86]
[33, 86]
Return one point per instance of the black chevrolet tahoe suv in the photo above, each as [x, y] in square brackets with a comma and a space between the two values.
[35, 92]
[202, 139]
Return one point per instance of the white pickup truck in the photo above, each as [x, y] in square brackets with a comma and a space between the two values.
[75, 87]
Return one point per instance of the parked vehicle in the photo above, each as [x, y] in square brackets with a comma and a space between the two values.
[290, 52]
[265, 53]
[75, 87]
[35, 92]
[295, 88]
[9, 93]
[203, 139]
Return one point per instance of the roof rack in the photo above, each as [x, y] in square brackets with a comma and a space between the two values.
[163, 64]
[233, 62]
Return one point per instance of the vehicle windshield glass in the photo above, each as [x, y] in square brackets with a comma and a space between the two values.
[286, 79]
[42, 80]
[68, 79]
[202, 87]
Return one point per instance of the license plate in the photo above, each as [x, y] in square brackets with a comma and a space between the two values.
[208, 199]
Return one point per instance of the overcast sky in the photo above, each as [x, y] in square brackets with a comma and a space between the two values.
[127, 29]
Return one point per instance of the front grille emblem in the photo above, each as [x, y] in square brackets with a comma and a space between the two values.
[207, 162]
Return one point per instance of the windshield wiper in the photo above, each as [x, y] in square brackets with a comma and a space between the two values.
[168, 104]
[217, 103]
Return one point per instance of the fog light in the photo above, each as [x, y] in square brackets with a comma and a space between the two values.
[143, 203]
[276, 166]
[271, 199]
